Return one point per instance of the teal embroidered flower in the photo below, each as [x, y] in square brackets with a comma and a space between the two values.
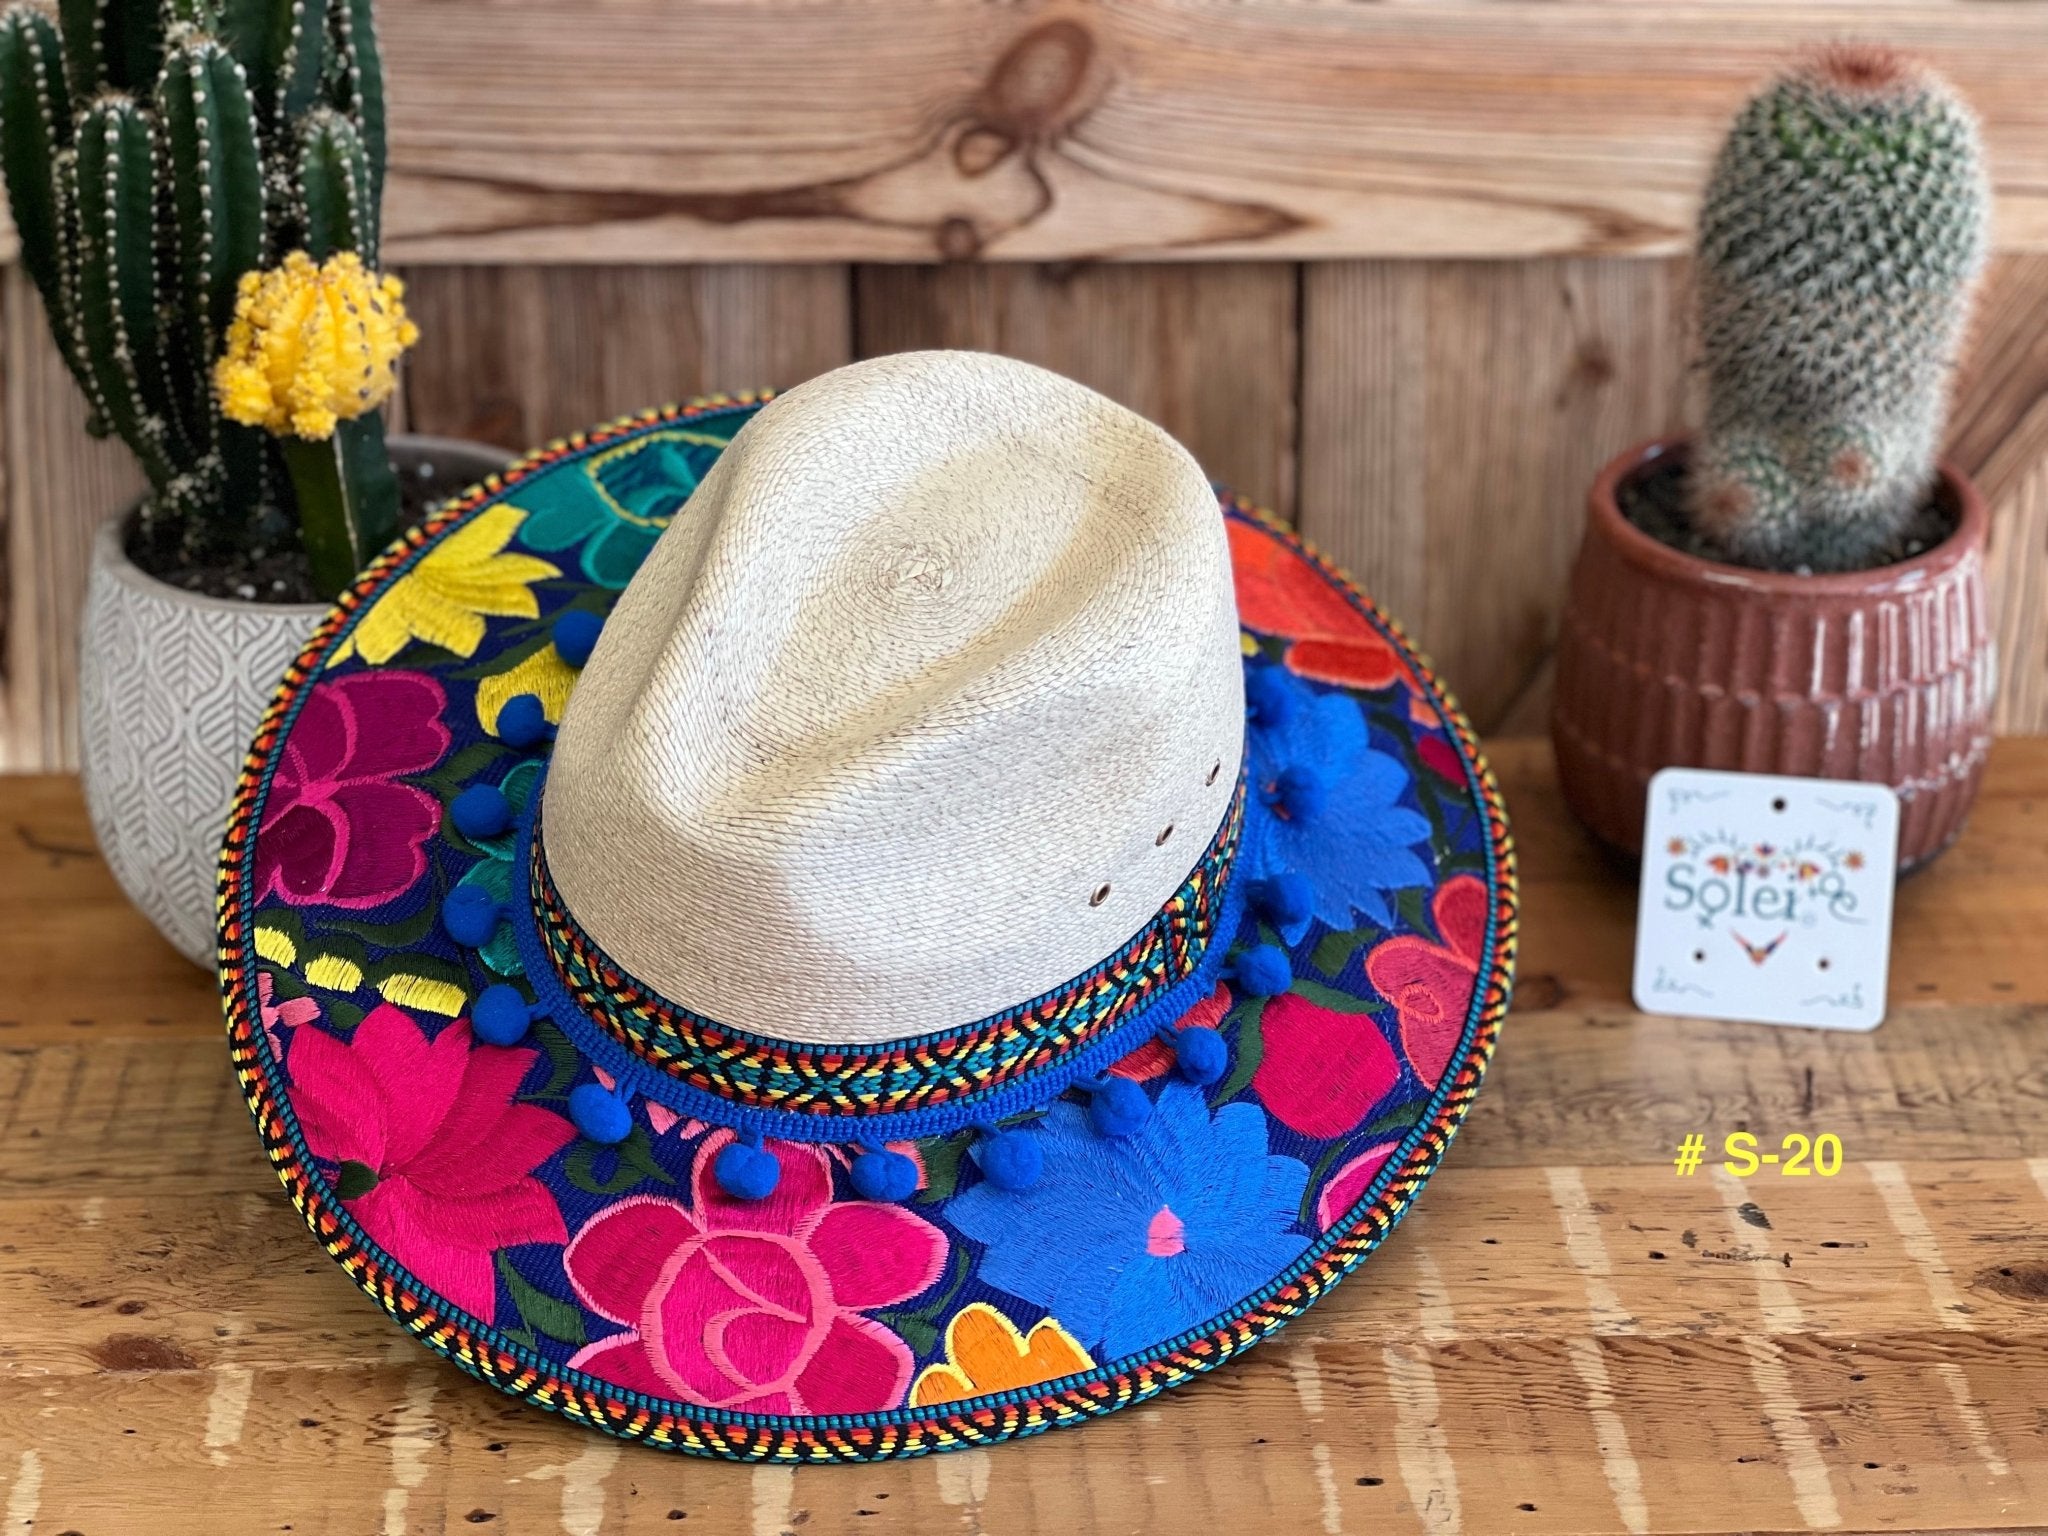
[494, 872]
[616, 502]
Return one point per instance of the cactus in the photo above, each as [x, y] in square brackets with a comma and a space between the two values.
[155, 152]
[1840, 239]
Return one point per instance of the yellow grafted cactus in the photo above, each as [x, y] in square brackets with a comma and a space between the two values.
[312, 344]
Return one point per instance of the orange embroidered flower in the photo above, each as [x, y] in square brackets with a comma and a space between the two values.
[1279, 593]
[985, 1353]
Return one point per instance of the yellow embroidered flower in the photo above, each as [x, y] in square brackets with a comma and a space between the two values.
[312, 345]
[334, 973]
[986, 1353]
[444, 597]
[543, 674]
[276, 946]
[423, 994]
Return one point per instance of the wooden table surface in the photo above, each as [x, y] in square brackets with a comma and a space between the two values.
[1565, 1336]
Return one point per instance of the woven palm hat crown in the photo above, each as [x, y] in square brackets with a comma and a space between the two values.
[872, 921]
[984, 712]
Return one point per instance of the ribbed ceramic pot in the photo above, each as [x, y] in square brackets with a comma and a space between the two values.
[171, 686]
[1665, 659]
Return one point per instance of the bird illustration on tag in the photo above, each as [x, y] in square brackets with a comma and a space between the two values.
[1758, 953]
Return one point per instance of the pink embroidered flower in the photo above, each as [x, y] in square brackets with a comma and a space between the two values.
[1322, 1071]
[1441, 756]
[435, 1157]
[1348, 1183]
[337, 828]
[754, 1305]
[1430, 985]
[276, 1016]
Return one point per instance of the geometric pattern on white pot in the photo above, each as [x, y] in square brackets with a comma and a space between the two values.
[172, 686]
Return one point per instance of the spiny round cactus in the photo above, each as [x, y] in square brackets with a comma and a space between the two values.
[1841, 235]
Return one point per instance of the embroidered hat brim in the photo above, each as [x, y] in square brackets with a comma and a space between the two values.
[620, 1284]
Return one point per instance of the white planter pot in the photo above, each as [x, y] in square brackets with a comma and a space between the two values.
[171, 688]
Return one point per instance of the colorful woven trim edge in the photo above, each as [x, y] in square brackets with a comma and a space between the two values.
[898, 1075]
[480, 1350]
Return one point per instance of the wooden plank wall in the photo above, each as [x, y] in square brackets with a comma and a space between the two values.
[1420, 347]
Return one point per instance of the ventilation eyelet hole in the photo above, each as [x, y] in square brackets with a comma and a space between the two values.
[1101, 895]
[1213, 772]
[1165, 833]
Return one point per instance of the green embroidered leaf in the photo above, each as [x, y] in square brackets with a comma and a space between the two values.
[1413, 906]
[343, 1015]
[402, 934]
[920, 1335]
[1331, 998]
[633, 1163]
[563, 1059]
[521, 1336]
[539, 1311]
[469, 762]
[286, 921]
[1310, 1191]
[508, 658]
[339, 944]
[1402, 1118]
[942, 1158]
[355, 1180]
[1334, 950]
[1242, 1024]
[284, 984]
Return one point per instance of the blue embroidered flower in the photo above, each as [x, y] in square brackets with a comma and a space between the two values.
[1359, 843]
[1133, 1240]
[617, 501]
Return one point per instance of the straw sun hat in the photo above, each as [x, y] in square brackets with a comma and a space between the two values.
[861, 924]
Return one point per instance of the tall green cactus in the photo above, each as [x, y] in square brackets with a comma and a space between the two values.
[154, 152]
[1840, 239]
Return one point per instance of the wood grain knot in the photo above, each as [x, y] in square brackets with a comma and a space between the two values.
[1538, 994]
[2016, 1282]
[140, 1352]
[1038, 86]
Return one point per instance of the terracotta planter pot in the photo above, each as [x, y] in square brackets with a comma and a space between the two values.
[1668, 660]
[171, 686]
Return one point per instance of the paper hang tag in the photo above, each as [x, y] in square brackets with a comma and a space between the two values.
[1766, 899]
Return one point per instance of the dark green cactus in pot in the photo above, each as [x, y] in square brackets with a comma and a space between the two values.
[196, 185]
[1841, 237]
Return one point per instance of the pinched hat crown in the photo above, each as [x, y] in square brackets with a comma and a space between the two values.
[927, 703]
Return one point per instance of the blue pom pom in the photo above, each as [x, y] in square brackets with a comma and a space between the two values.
[1201, 1055]
[1268, 699]
[879, 1174]
[499, 1016]
[523, 723]
[1010, 1160]
[576, 632]
[600, 1114]
[1300, 793]
[746, 1172]
[480, 811]
[1263, 971]
[470, 915]
[1286, 899]
[1117, 1106]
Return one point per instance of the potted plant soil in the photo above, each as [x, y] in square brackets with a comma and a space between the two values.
[1800, 588]
[197, 187]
